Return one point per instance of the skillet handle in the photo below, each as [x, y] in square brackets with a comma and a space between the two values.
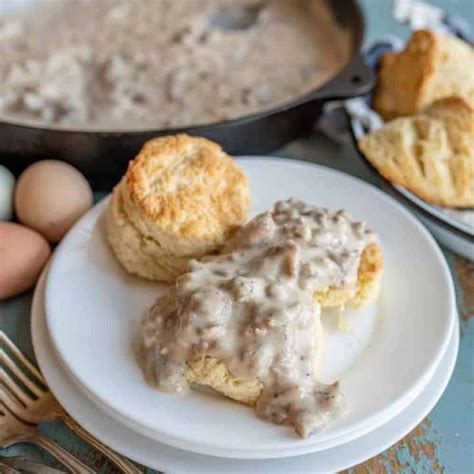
[354, 80]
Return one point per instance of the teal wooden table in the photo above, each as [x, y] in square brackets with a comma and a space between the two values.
[444, 441]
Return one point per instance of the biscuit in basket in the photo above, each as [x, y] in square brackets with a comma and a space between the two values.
[432, 66]
[180, 199]
[431, 154]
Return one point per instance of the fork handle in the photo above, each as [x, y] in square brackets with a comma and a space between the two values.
[121, 462]
[67, 459]
[4, 469]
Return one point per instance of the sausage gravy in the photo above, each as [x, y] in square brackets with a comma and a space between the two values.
[252, 307]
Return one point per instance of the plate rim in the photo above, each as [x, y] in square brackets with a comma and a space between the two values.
[393, 408]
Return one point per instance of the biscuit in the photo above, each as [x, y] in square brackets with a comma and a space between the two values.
[431, 154]
[211, 372]
[367, 287]
[432, 66]
[180, 198]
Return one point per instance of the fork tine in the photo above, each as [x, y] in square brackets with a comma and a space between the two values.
[22, 358]
[14, 388]
[20, 375]
[12, 403]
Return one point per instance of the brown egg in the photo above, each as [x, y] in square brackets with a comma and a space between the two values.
[50, 196]
[23, 254]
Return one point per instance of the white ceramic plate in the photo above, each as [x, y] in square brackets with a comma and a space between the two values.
[165, 458]
[92, 306]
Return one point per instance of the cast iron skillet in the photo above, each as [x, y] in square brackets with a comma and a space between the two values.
[102, 156]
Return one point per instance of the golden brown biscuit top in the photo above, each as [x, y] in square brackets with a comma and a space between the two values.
[430, 67]
[188, 186]
[430, 153]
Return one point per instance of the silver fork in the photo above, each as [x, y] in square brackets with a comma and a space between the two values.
[41, 405]
[6, 469]
[19, 465]
[16, 431]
